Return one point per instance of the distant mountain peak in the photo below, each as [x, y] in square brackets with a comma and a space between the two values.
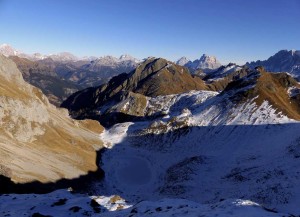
[125, 56]
[205, 62]
[208, 58]
[65, 56]
[183, 61]
[4, 45]
[282, 61]
[8, 50]
[153, 77]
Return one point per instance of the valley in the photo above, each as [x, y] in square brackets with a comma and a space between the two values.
[163, 141]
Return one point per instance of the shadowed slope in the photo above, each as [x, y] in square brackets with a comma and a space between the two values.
[45, 78]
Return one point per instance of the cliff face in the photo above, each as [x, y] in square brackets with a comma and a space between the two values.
[39, 142]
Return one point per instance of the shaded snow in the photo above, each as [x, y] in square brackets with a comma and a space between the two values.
[62, 203]
[228, 151]
[58, 203]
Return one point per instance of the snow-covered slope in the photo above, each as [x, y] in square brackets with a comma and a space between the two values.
[207, 147]
[62, 203]
[222, 72]
[181, 207]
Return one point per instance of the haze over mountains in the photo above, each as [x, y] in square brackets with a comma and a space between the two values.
[60, 75]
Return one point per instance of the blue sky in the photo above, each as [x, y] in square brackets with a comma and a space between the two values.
[232, 30]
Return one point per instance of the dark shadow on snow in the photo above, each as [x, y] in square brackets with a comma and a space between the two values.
[230, 137]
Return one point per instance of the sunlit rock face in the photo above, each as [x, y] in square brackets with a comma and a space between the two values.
[38, 141]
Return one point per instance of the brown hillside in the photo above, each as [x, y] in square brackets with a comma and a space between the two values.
[272, 87]
[39, 142]
[44, 77]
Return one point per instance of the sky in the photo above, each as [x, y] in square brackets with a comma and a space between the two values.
[232, 30]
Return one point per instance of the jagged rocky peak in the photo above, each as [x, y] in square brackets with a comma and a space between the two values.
[282, 61]
[209, 59]
[182, 61]
[205, 63]
[127, 57]
[37, 134]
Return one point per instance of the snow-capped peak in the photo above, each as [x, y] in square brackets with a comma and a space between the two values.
[207, 58]
[205, 62]
[8, 50]
[64, 57]
[127, 57]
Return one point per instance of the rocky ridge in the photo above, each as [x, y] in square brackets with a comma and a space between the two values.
[153, 77]
[283, 61]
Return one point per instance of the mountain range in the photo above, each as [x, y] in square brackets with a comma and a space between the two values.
[154, 77]
[178, 139]
[205, 63]
[194, 142]
[283, 61]
[59, 75]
